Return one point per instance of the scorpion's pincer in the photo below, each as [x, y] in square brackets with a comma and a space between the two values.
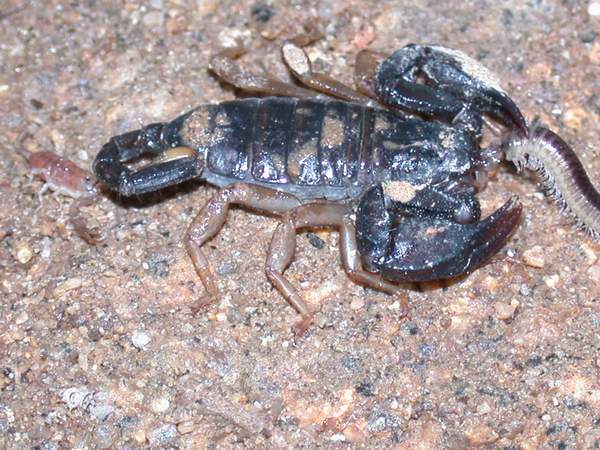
[458, 88]
[422, 247]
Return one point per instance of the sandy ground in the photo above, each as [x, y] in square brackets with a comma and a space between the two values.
[98, 345]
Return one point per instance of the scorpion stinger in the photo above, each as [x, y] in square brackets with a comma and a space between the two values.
[457, 88]
[169, 162]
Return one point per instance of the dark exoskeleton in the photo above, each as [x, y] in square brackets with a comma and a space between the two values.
[395, 166]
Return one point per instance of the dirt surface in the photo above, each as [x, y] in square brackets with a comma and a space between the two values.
[99, 346]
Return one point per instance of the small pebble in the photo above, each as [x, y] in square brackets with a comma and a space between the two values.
[484, 408]
[140, 436]
[590, 254]
[21, 318]
[524, 290]
[83, 155]
[552, 280]
[186, 427]
[505, 311]
[23, 252]
[159, 405]
[534, 257]
[162, 435]
[140, 339]
[66, 286]
[226, 268]
[357, 303]
[394, 306]
[594, 9]
[315, 240]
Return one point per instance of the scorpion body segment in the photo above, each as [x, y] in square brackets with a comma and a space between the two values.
[395, 167]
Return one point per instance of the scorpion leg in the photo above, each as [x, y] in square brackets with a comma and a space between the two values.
[213, 215]
[283, 245]
[365, 71]
[457, 89]
[353, 267]
[233, 73]
[299, 64]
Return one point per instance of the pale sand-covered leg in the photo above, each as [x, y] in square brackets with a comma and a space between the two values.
[212, 217]
[299, 64]
[235, 74]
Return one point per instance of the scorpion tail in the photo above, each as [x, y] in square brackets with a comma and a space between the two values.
[139, 161]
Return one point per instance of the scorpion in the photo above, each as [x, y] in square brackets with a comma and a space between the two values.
[394, 165]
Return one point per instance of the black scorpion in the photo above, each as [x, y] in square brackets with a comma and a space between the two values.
[394, 165]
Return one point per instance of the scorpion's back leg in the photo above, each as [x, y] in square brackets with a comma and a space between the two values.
[299, 64]
[233, 73]
[282, 248]
[213, 215]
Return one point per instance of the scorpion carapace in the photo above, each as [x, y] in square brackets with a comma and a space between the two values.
[394, 167]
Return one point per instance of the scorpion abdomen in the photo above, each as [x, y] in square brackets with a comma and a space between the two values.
[316, 148]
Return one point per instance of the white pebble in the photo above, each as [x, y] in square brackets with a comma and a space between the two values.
[159, 405]
[66, 286]
[551, 280]
[534, 257]
[23, 252]
[21, 318]
[140, 339]
[594, 9]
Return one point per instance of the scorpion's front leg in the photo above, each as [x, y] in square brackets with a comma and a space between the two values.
[283, 245]
[455, 87]
[212, 217]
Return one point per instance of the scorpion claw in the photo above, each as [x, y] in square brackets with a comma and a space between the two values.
[432, 248]
[457, 88]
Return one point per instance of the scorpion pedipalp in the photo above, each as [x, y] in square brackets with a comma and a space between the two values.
[456, 87]
[425, 246]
